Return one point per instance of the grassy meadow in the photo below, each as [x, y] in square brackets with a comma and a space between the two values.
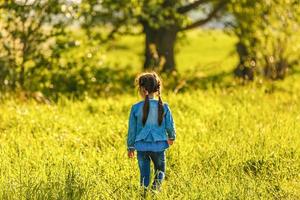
[233, 141]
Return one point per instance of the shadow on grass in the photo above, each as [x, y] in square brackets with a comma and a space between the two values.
[196, 81]
[110, 81]
[104, 82]
[115, 81]
[101, 82]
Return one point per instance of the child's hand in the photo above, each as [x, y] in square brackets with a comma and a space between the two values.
[130, 154]
[170, 142]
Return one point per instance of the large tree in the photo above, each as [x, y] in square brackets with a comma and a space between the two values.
[160, 22]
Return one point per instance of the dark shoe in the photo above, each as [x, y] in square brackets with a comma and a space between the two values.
[155, 188]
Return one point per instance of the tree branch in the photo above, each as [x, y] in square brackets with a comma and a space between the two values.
[209, 17]
[191, 6]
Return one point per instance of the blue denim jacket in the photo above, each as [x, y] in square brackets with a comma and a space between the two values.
[151, 132]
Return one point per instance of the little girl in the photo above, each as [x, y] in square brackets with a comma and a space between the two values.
[151, 130]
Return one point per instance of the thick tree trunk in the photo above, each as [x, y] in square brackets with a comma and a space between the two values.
[245, 68]
[159, 48]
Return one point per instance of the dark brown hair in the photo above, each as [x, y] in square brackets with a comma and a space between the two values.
[151, 83]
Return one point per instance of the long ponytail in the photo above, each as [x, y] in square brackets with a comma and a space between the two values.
[160, 109]
[146, 109]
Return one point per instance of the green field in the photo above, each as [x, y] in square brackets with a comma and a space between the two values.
[233, 141]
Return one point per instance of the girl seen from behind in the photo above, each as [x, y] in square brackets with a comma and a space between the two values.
[151, 130]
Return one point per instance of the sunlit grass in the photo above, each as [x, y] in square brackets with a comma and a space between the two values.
[240, 143]
[235, 142]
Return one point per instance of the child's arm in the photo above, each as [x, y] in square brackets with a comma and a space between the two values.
[170, 125]
[131, 131]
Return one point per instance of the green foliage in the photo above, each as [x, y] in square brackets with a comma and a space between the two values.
[129, 16]
[268, 33]
[82, 67]
[27, 33]
[125, 14]
[41, 52]
[79, 68]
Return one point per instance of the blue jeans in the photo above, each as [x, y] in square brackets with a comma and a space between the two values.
[159, 161]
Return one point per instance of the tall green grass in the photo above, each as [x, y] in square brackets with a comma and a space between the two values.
[233, 141]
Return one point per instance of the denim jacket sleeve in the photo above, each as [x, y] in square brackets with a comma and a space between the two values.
[131, 130]
[170, 125]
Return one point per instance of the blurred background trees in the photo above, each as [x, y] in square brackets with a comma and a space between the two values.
[28, 32]
[59, 46]
[159, 20]
[267, 33]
